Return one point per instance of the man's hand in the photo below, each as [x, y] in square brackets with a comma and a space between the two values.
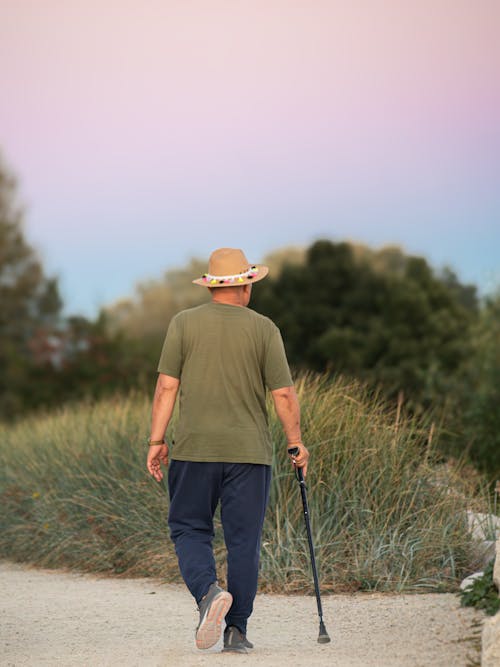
[157, 454]
[300, 459]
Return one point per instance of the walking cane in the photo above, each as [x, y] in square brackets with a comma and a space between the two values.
[323, 634]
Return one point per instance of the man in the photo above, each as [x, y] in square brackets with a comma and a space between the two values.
[223, 356]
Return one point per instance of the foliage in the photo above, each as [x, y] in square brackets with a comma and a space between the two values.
[480, 393]
[46, 359]
[30, 302]
[75, 492]
[384, 318]
[482, 593]
[143, 318]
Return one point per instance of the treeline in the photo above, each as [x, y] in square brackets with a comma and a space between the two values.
[420, 336]
[389, 319]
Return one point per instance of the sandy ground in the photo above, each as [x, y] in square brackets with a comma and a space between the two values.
[65, 619]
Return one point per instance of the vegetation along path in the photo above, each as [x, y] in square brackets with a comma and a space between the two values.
[65, 619]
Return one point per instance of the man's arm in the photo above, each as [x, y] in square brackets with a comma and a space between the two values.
[288, 411]
[163, 406]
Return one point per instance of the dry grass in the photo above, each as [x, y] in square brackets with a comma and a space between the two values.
[75, 493]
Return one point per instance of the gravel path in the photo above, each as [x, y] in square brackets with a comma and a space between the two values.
[65, 619]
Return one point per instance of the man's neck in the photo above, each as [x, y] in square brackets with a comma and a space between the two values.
[229, 299]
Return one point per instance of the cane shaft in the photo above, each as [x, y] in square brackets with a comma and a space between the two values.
[303, 492]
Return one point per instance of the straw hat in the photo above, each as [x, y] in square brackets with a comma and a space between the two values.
[228, 267]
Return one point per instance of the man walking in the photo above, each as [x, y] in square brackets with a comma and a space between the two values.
[222, 356]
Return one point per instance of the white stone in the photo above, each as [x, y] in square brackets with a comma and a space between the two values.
[490, 639]
[482, 554]
[484, 530]
[484, 527]
[496, 567]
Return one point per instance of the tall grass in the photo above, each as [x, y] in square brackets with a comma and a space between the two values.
[75, 493]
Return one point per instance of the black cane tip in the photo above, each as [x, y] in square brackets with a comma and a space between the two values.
[323, 634]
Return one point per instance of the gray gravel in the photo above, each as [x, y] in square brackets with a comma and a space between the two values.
[65, 619]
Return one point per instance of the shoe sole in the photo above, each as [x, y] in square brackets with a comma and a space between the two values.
[210, 629]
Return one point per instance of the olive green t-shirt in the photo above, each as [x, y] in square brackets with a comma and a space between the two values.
[225, 357]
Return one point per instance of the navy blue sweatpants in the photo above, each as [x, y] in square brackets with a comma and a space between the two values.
[195, 489]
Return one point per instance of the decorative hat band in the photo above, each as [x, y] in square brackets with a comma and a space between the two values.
[229, 280]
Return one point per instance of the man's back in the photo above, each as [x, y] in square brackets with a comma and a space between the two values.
[227, 355]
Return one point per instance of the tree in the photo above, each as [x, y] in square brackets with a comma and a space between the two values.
[384, 317]
[146, 314]
[29, 300]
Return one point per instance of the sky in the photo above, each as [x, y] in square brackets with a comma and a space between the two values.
[146, 132]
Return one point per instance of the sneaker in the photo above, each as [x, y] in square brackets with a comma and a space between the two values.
[236, 641]
[213, 608]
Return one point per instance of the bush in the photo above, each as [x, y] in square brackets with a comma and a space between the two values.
[482, 593]
[75, 492]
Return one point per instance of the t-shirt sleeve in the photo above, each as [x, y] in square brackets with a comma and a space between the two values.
[171, 355]
[276, 370]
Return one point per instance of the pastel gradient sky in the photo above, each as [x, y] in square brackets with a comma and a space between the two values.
[147, 132]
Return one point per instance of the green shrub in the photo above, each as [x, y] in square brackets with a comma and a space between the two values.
[482, 593]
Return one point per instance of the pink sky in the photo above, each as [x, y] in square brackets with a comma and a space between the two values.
[146, 132]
